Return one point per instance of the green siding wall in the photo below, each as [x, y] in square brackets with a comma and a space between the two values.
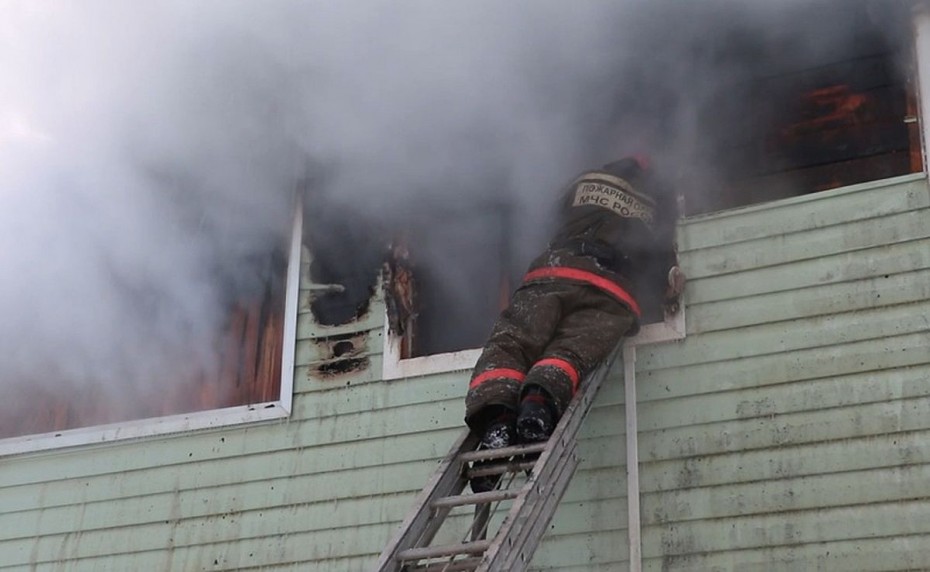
[789, 431]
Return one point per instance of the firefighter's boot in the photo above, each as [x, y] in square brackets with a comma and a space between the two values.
[500, 433]
[536, 419]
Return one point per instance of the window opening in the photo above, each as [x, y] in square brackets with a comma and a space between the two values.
[253, 381]
[456, 278]
[427, 318]
[801, 122]
[249, 371]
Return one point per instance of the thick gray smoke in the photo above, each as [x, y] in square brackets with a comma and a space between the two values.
[150, 151]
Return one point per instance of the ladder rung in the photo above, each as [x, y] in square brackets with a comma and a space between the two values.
[477, 498]
[464, 565]
[501, 468]
[414, 554]
[483, 454]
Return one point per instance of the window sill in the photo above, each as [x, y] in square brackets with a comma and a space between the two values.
[393, 367]
[138, 429]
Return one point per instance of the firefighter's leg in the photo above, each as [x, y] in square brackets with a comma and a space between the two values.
[517, 340]
[593, 324]
[518, 337]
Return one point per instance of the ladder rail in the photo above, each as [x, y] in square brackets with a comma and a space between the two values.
[534, 503]
[417, 525]
[543, 510]
[563, 440]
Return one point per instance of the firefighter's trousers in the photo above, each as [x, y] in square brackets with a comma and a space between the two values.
[551, 335]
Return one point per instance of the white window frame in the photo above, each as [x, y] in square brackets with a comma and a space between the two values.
[200, 420]
[394, 367]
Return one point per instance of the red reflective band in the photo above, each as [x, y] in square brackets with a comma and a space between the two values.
[585, 276]
[565, 366]
[501, 372]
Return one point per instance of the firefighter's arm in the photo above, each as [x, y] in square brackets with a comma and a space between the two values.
[676, 283]
[675, 278]
[674, 290]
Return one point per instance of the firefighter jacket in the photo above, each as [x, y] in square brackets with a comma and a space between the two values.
[615, 237]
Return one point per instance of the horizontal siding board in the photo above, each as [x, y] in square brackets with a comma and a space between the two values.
[216, 528]
[280, 548]
[189, 511]
[830, 489]
[312, 495]
[309, 379]
[786, 430]
[307, 327]
[587, 567]
[178, 451]
[352, 564]
[349, 564]
[788, 336]
[871, 292]
[814, 210]
[266, 480]
[366, 477]
[391, 433]
[833, 269]
[785, 529]
[772, 369]
[768, 401]
[596, 547]
[852, 236]
[328, 518]
[368, 398]
[316, 350]
[240, 558]
[601, 443]
[910, 552]
[447, 390]
[334, 461]
[882, 554]
[811, 459]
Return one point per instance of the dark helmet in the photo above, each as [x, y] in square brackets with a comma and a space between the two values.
[638, 172]
[632, 169]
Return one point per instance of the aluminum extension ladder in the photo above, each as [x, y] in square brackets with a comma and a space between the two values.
[533, 500]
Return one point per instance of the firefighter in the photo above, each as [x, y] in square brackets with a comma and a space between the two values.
[613, 254]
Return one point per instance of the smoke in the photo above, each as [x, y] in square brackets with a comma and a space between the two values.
[146, 166]
[150, 152]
